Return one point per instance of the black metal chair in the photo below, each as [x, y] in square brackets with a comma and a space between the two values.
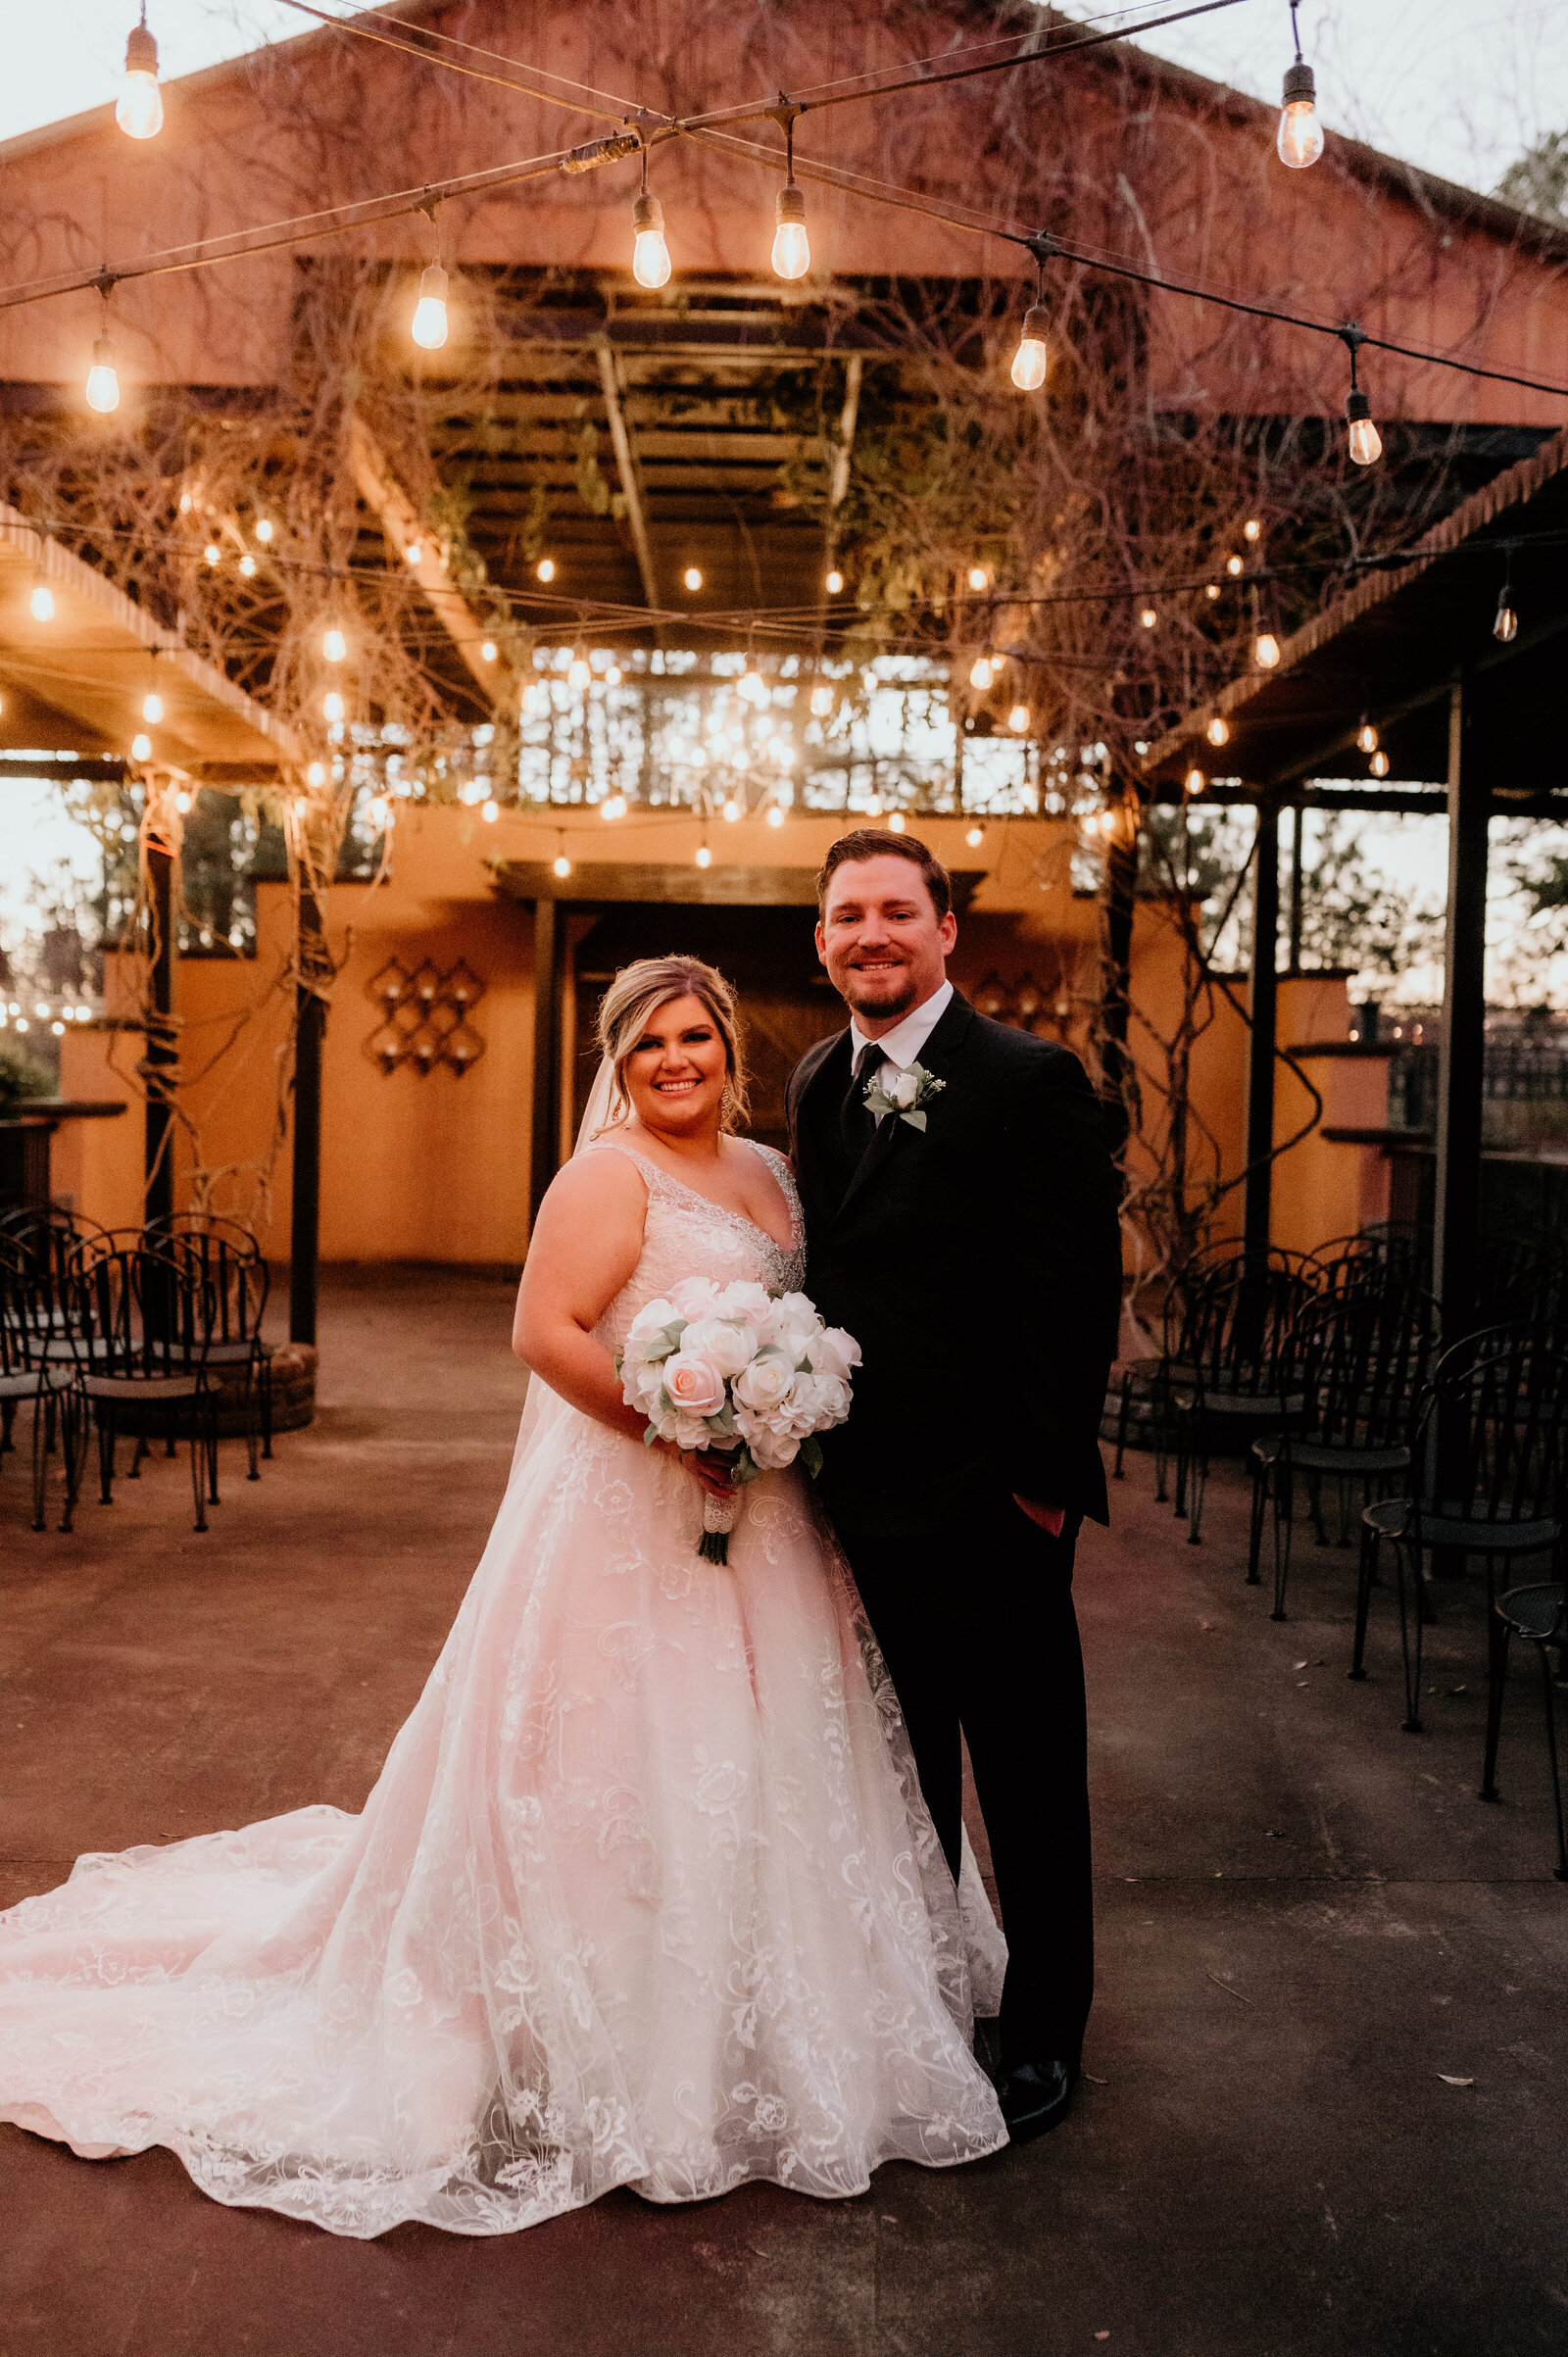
[40, 1238]
[141, 1336]
[1521, 1277]
[36, 1368]
[1244, 1314]
[1485, 1478]
[1145, 1386]
[1359, 1358]
[230, 1255]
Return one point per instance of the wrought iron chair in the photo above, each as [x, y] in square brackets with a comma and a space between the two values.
[1521, 1277]
[1487, 1476]
[230, 1255]
[1145, 1388]
[35, 1366]
[141, 1338]
[43, 1240]
[1359, 1358]
[1244, 1314]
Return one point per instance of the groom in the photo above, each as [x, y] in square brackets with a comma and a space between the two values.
[962, 1222]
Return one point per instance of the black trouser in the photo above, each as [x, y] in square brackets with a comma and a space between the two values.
[977, 1627]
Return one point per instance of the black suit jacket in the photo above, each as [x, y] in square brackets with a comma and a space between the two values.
[978, 1265]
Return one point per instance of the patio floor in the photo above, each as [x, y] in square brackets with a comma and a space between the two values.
[1306, 1919]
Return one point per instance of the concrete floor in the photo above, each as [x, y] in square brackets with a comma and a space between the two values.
[1305, 1920]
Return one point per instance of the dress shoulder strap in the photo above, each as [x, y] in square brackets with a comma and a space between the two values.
[651, 1172]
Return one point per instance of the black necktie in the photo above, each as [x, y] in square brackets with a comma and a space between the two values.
[856, 1122]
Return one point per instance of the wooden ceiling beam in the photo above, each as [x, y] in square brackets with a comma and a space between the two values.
[381, 491]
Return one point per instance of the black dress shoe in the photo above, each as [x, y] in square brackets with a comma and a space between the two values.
[1036, 2097]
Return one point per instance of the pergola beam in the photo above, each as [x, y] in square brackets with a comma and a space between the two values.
[631, 481]
[379, 488]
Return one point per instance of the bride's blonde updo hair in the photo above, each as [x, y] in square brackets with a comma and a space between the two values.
[637, 994]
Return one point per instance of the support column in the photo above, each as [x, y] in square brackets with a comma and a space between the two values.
[162, 1054]
[1456, 1243]
[1297, 827]
[304, 1226]
[548, 958]
[1262, 1010]
[1121, 889]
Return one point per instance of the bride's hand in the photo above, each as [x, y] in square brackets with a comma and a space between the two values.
[709, 1467]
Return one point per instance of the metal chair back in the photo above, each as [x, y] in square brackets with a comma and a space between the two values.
[1492, 1446]
[1360, 1357]
[145, 1313]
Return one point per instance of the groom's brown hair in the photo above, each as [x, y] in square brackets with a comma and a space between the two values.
[875, 843]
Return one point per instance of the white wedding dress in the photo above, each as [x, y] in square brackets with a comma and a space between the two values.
[645, 1894]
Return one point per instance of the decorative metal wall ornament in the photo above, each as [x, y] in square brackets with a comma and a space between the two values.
[424, 1017]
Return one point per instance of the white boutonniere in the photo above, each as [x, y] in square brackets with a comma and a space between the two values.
[902, 1089]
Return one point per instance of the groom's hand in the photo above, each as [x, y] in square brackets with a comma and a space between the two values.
[1050, 1518]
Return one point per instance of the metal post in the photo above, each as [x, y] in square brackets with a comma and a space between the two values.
[1297, 825]
[1121, 887]
[162, 1056]
[548, 940]
[1460, 1057]
[1262, 1006]
[310, 1031]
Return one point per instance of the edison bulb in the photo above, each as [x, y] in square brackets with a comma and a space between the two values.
[1194, 783]
[491, 813]
[1366, 443]
[247, 564]
[429, 323]
[1251, 528]
[1018, 718]
[1030, 360]
[334, 645]
[1212, 589]
[1218, 731]
[692, 577]
[487, 653]
[649, 256]
[1506, 626]
[139, 108]
[975, 837]
[41, 604]
[546, 569]
[1266, 650]
[1148, 617]
[332, 705]
[612, 807]
[152, 707]
[775, 817]
[822, 701]
[264, 529]
[1380, 764]
[834, 582]
[141, 746]
[182, 803]
[1233, 565]
[704, 857]
[578, 673]
[413, 554]
[1366, 737]
[1299, 139]
[103, 385]
[792, 249]
[980, 673]
[732, 809]
[212, 553]
[979, 578]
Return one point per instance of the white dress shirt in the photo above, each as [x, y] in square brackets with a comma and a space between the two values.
[902, 1045]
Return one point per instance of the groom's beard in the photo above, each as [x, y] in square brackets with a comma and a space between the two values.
[895, 997]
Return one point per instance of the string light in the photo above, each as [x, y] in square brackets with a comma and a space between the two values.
[487, 653]
[1365, 442]
[103, 383]
[41, 604]
[1192, 785]
[776, 815]
[979, 578]
[212, 551]
[1148, 617]
[649, 256]
[1018, 718]
[1380, 763]
[577, 674]
[139, 108]
[428, 326]
[546, 569]
[182, 803]
[413, 554]
[1251, 529]
[692, 577]
[1366, 736]
[1212, 589]
[704, 857]
[560, 866]
[981, 673]
[975, 837]
[1299, 138]
[1030, 361]
[834, 582]
[332, 705]
[1505, 622]
[732, 809]
[1266, 649]
[316, 774]
[263, 530]
[152, 707]
[822, 701]
[613, 807]
[613, 676]
[1218, 731]
[490, 813]
[141, 747]
[897, 824]
[792, 248]
[247, 564]
[1233, 565]
[334, 645]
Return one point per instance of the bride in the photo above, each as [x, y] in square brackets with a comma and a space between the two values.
[646, 1894]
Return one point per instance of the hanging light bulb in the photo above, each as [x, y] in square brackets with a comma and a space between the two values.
[897, 824]
[704, 857]
[1299, 138]
[577, 674]
[332, 705]
[981, 673]
[613, 676]
[979, 578]
[139, 108]
[263, 530]
[612, 807]
[975, 837]
[141, 747]
[1218, 731]
[834, 582]
[1030, 360]
[1506, 626]
[487, 653]
[247, 564]
[1148, 617]
[182, 803]
[41, 604]
[1193, 784]
[1366, 736]
[1266, 650]
[1212, 589]
[1233, 565]
[212, 553]
[152, 707]
[792, 248]
[822, 701]
[1380, 763]
[1018, 718]
[428, 326]
[1365, 442]
[316, 774]
[1251, 529]
[560, 866]
[732, 809]
[490, 813]
[776, 815]
[102, 384]
[546, 569]
[413, 554]
[334, 645]
[649, 256]
[692, 577]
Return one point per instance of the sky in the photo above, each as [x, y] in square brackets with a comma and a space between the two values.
[1458, 86]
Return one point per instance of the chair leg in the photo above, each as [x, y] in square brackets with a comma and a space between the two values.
[41, 1420]
[1255, 1537]
[1497, 1636]
[252, 1429]
[105, 1451]
[1411, 1652]
[1561, 1869]
[75, 1436]
[198, 1454]
[1366, 1572]
[8, 1416]
[1183, 1464]
[266, 1409]
[208, 1420]
[1284, 1531]
[1198, 1476]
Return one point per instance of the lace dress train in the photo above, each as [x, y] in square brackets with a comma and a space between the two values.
[645, 1893]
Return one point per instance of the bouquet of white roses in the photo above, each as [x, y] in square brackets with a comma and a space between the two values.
[737, 1368]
